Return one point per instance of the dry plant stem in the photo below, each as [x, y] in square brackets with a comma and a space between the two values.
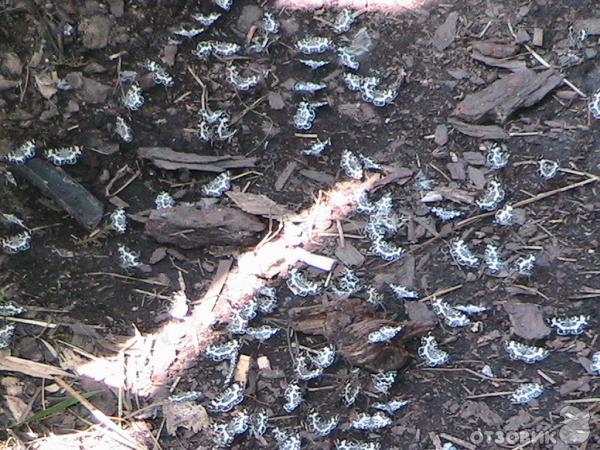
[113, 430]
[458, 441]
[441, 292]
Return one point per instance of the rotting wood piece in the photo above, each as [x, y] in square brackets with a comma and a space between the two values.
[168, 159]
[190, 227]
[64, 190]
[348, 324]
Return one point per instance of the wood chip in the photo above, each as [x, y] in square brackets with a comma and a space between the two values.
[285, 175]
[319, 261]
[242, 369]
[31, 368]
[493, 132]
[263, 363]
[538, 37]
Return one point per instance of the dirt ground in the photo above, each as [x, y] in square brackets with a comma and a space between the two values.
[67, 91]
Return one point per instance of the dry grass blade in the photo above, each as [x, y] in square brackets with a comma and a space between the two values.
[112, 430]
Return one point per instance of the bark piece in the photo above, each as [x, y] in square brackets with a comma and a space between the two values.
[348, 324]
[446, 32]
[512, 64]
[493, 132]
[258, 204]
[499, 100]
[64, 190]
[190, 227]
[527, 320]
[168, 159]
[494, 49]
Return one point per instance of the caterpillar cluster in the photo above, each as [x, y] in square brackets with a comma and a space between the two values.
[373, 422]
[493, 197]
[314, 63]
[343, 21]
[222, 352]
[526, 392]
[505, 216]
[570, 326]
[306, 114]
[293, 397]
[300, 285]
[347, 58]
[403, 293]
[64, 155]
[384, 334]
[346, 444]
[262, 333]
[382, 382]
[497, 157]
[7, 331]
[446, 214]
[118, 221]
[525, 265]
[133, 99]
[594, 105]
[347, 284]
[391, 406]
[350, 393]
[317, 148]
[21, 154]
[129, 259]
[463, 254]
[313, 44]
[161, 76]
[218, 48]
[164, 201]
[188, 33]
[239, 82]
[431, 354]
[526, 353]
[547, 169]
[16, 244]
[123, 130]
[188, 396]
[308, 87]
[206, 20]
[228, 399]
[492, 259]
[320, 426]
[218, 186]
[214, 125]
[452, 317]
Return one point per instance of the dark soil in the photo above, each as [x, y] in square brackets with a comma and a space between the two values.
[72, 277]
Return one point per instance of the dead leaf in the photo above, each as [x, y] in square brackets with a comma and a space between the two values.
[258, 204]
[349, 255]
[189, 415]
[46, 84]
[527, 320]
[446, 32]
